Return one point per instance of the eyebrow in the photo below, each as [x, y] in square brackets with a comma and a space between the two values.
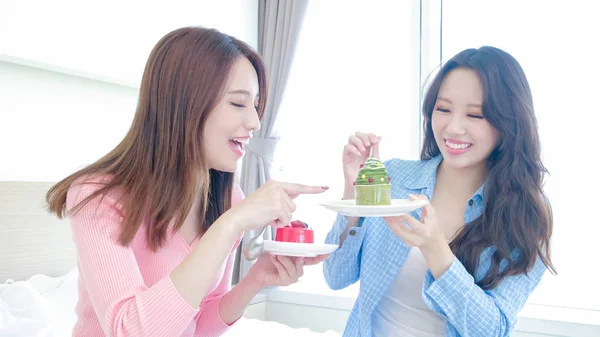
[240, 91]
[449, 101]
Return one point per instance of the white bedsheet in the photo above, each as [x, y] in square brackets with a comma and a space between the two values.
[41, 306]
[45, 307]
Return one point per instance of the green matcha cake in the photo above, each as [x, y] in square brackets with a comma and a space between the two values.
[372, 185]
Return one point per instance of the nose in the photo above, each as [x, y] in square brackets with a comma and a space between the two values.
[252, 121]
[456, 126]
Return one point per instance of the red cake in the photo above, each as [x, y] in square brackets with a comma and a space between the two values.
[296, 231]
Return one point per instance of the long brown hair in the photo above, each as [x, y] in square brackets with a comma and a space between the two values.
[159, 166]
[517, 217]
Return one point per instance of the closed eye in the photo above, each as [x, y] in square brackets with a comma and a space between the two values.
[476, 116]
[443, 110]
[238, 105]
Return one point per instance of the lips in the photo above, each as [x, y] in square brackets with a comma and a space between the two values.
[237, 144]
[241, 140]
[456, 147]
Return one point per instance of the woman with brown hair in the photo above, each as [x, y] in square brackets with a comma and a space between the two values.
[157, 221]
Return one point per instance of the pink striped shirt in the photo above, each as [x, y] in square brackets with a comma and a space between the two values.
[127, 291]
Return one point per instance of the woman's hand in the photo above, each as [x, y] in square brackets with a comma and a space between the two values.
[421, 234]
[276, 270]
[360, 147]
[267, 271]
[271, 204]
[426, 235]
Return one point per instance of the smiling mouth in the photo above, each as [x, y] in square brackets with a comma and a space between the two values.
[237, 144]
[457, 145]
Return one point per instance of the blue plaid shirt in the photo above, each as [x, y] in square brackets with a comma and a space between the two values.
[373, 254]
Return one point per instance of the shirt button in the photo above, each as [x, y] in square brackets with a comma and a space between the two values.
[352, 232]
[471, 202]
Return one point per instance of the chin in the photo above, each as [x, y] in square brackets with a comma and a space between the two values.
[229, 170]
[227, 166]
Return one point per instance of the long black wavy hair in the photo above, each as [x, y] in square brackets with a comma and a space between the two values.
[517, 216]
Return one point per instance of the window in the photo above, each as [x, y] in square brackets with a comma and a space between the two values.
[360, 67]
[356, 68]
[557, 48]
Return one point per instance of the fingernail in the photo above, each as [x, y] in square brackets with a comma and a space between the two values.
[325, 187]
[368, 144]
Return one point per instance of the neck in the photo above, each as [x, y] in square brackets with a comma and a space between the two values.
[192, 218]
[467, 180]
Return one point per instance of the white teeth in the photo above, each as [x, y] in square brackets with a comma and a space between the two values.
[241, 140]
[457, 146]
[238, 144]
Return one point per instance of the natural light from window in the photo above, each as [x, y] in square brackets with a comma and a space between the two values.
[361, 73]
[357, 74]
[560, 61]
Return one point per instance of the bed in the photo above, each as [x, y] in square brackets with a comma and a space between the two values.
[38, 274]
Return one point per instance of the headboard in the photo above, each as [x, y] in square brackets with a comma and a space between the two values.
[32, 241]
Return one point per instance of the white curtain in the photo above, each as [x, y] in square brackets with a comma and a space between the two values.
[279, 24]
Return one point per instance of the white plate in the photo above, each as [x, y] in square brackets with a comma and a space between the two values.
[397, 207]
[297, 249]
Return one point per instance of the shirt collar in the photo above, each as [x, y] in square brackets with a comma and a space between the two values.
[426, 178]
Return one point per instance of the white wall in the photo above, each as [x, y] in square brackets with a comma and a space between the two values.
[55, 115]
[52, 123]
[315, 306]
[110, 38]
[322, 318]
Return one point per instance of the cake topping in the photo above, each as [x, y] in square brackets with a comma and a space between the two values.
[372, 172]
[298, 224]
